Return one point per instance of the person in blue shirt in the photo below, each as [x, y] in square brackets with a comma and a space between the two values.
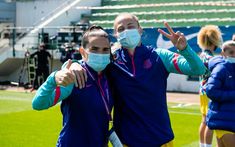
[138, 76]
[86, 112]
[220, 89]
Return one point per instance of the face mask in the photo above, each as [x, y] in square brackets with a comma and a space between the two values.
[230, 59]
[98, 62]
[129, 38]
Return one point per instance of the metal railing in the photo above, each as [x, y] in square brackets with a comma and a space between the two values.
[51, 14]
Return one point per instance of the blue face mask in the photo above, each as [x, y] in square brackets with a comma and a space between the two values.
[98, 62]
[129, 38]
[230, 59]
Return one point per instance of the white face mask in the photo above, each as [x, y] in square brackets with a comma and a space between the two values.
[230, 59]
[98, 62]
[129, 38]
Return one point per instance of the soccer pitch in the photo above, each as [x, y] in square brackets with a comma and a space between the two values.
[22, 126]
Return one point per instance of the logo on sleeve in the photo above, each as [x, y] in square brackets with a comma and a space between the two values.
[88, 85]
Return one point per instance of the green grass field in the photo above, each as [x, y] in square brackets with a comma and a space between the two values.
[22, 126]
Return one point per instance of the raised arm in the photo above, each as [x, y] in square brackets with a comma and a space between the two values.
[186, 61]
[52, 90]
[80, 74]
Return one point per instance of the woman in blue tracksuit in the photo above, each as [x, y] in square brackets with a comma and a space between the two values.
[86, 112]
[221, 90]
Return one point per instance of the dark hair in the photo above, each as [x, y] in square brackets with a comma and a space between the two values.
[93, 31]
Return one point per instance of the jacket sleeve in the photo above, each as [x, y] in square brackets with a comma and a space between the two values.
[33, 54]
[49, 94]
[214, 88]
[186, 62]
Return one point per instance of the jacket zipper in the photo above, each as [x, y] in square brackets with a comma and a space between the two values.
[99, 83]
[133, 63]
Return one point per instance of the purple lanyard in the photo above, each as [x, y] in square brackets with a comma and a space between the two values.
[102, 94]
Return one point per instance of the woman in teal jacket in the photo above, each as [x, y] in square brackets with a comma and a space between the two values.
[86, 112]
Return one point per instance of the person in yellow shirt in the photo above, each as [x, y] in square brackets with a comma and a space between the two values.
[209, 39]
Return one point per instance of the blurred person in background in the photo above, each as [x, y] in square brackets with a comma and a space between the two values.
[76, 54]
[209, 39]
[220, 89]
[42, 64]
[70, 51]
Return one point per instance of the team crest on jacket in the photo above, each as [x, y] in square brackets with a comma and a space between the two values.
[147, 64]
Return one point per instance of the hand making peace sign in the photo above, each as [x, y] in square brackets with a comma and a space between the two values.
[178, 38]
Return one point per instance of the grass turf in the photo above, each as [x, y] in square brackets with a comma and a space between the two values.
[22, 126]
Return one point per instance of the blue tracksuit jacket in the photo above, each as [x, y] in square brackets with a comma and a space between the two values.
[139, 84]
[85, 120]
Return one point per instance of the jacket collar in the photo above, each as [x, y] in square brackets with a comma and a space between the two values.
[141, 52]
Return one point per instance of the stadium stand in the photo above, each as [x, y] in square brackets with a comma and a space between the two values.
[177, 12]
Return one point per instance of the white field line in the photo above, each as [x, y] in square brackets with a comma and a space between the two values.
[182, 112]
[15, 99]
[181, 105]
